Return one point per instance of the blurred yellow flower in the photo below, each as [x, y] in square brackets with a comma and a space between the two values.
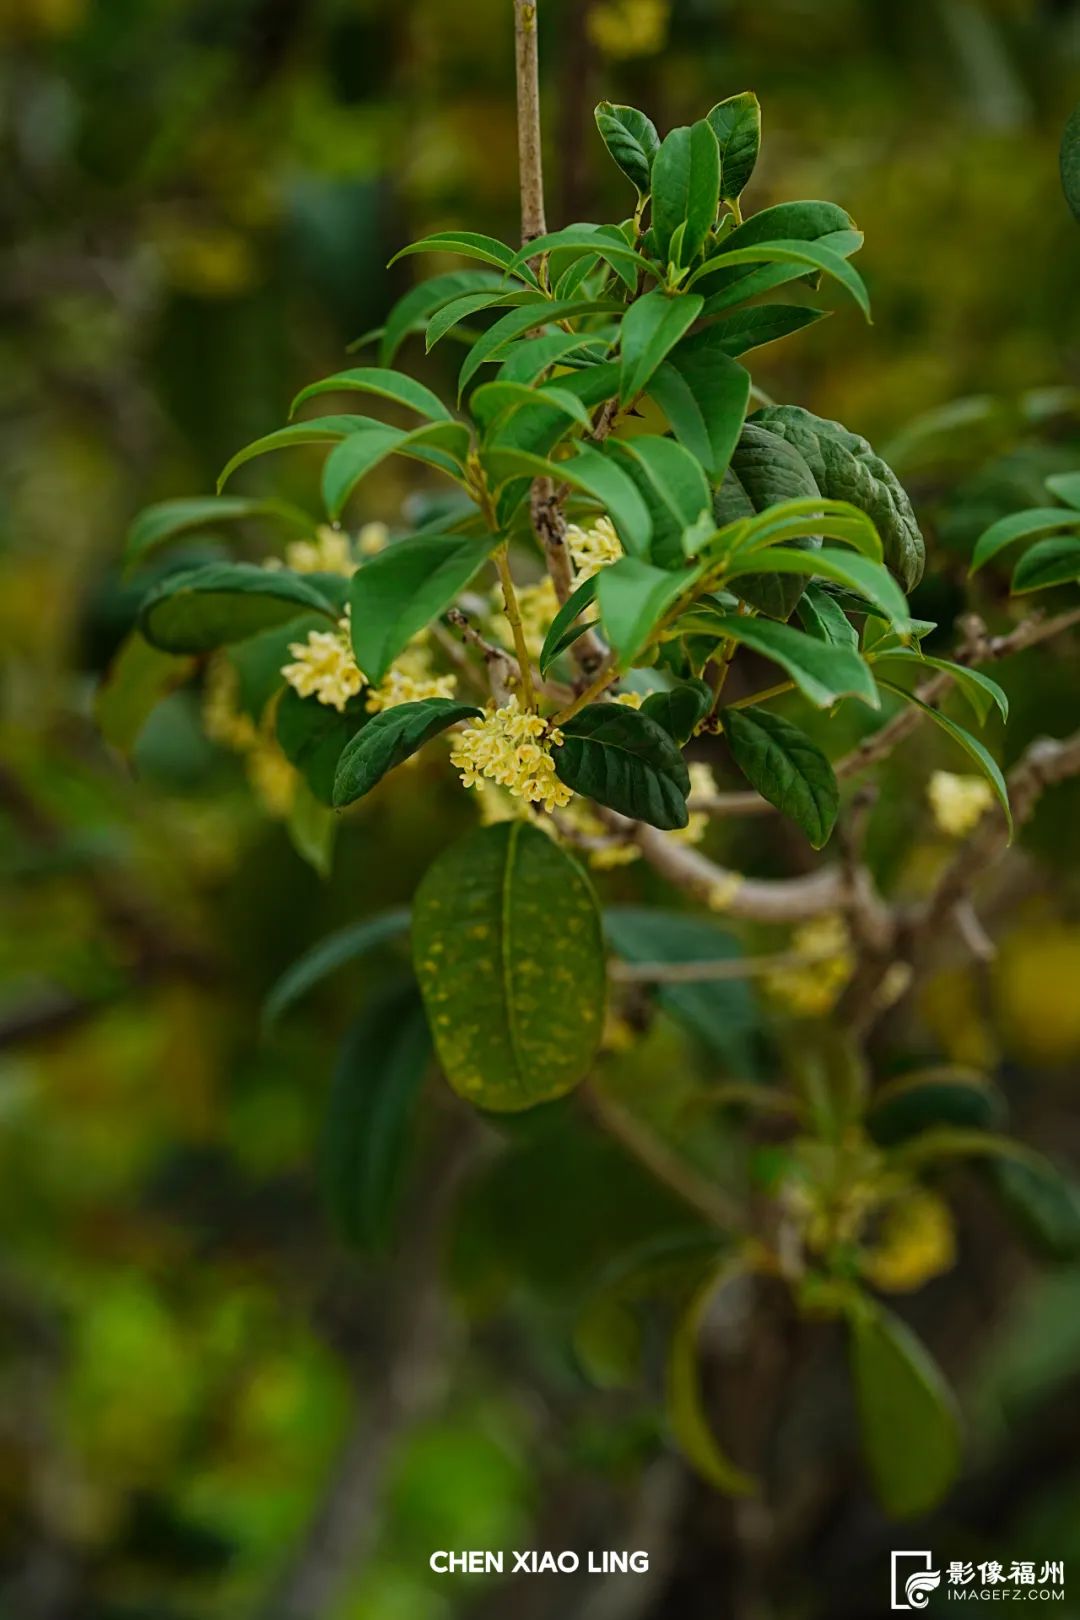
[224, 722]
[625, 28]
[812, 988]
[372, 539]
[917, 1241]
[329, 553]
[272, 778]
[958, 802]
[410, 679]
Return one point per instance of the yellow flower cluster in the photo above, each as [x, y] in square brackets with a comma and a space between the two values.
[410, 680]
[509, 747]
[324, 667]
[917, 1241]
[329, 553]
[811, 988]
[592, 549]
[958, 802]
[271, 776]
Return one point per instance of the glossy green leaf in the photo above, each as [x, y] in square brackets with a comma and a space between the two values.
[781, 762]
[930, 1098]
[442, 444]
[870, 579]
[527, 358]
[516, 322]
[1066, 486]
[624, 760]
[981, 693]
[167, 519]
[312, 736]
[413, 310]
[403, 588]
[317, 430]
[586, 238]
[810, 221]
[137, 679]
[469, 245]
[370, 1115]
[1070, 161]
[679, 709]
[632, 141]
[704, 395]
[508, 950]
[765, 471]
[650, 329]
[821, 615]
[1020, 526]
[345, 945]
[752, 328]
[685, 189]
[822, 672]
[590, 471]
[576, 603]
[388, 739]
[211, 606]
[312, 830]
[1048, 563]
[685, 1402]
[493, 404]
[673, 487]
[736, 123]
[811, 255]
[908, 1415]
[634, 596]
[383, 384]
[450, 315]
[971, 746]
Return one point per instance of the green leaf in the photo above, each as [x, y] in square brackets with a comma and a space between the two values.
[317, 430]
[450, 315]
[752, 328]
[930, 1098]
[163, 521]
[136, 681]
[870, 579]
[588, 470]
[765, 471]
[528, 357]
[1042, 1203]
[413, 310]
[518, 321]
[312, 830]
[346, 944]
[796, 221]
[470, 245]
[908, 1415]
[384, 384]
[211, 606]
[1020, 526]
[575, 603]
[632, 141]
[680, 708]
[845, 467]
[389, 738]
[1048, 563]
[1070, 161]
[624, 760]
[704, 395]
[813, 255]
[586, 238]
[369, 1116]
[650, 330]
[1066, 486]
[736, 123]
[633, 598]
[258, 660]
[673, 487]
[351, 460]
[494, 404]
[685, 1404]
[722, 1014]
[403, 588]
[786, 768]
[508, 949]
[822, 672]
[971, 745]
[978, 689]
[313, 734]
[685, 189]
[821, 615]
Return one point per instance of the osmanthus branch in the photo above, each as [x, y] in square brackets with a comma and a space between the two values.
[663, 1163]
[530, 155]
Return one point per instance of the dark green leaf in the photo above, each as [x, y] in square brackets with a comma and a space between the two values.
[1066, 486]
[704, 394]
[450, 315]
[402, 589]
[586, 238]
[137, 679]
[528, 357]
[871, 580]
[673, 487]
[575, 603]
[318, 430]
[929, 1098]
[823, 616]
[631, 139]
[685, 1403]
[624, 760]
[156, 524]
[685, 189]
[516, 322]
[388, 739]
[980, 691]
[679, 709]
[1048, 563]
[508, 949]
[764, 471]
[752, 328]
[821, 671]
[313, 734]
[412, 311]
[211, 606]
[650, 329]
[442, 444]
[369, 1116]
[382, 383]
[1070, 161]
[910, 1424]
[786, 222]
[494, 404]
[736, 123]
[588, 470]
[312, 830]
[356, 939]
[469, 245]
[811, 255]
[970, 744]
[1043, 1204]
[1020, 526]
[786, 768]
[634, 596]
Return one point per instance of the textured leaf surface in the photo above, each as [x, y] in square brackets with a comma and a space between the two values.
[388, 739]
[786, 768]
[1070, 162]
[508, 950]
[736, 123]
[209, 607]
[631, 139]
[402, 589]
[623, 759]
[763, 471]
[680, 709]
[910, 1424]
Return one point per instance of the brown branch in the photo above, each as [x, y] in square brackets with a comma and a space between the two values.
[530, 157]
[664, 1163]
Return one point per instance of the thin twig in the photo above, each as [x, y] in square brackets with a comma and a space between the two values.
[663, 1163]
[530, 155]
[712, 971]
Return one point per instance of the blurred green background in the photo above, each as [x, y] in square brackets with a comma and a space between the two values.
[198, 1383]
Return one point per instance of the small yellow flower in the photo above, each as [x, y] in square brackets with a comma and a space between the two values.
[272, 777]
[702, 782]
[224, 721]
[723, 891]
[329, 553]
[372, 539]
[325, 668]
[410, 679]
[509, 747]
[625, 28]
[917, 1241]
[958, 802]
[580, 818]
[592, 549]
[630, 700]
[813, 989]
